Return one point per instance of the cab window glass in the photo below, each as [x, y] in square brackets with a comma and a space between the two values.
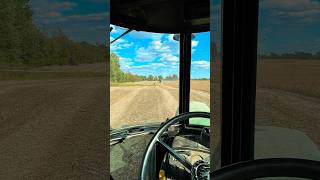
[144, 74]
[288, 80]
[53, 90]
[200, 77]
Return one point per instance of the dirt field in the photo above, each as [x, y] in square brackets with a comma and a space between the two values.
[53, 129]
[200, 85]
[149, 102]
[288, 95]
[298, 76]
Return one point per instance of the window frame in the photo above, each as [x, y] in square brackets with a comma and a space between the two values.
[239, 61]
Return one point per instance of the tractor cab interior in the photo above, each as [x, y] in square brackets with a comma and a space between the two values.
[168, 147]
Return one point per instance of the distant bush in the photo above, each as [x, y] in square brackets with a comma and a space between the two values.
[294, 55]
[117, 75]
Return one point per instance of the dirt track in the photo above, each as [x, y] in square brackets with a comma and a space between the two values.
[139, 104]
[53, 129]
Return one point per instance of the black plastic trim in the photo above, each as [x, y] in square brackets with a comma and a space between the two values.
[273, 167]
[239, 58]
[184, 72]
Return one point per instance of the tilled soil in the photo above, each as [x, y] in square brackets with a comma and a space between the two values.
[53, 129]
[141, 105]
[137, 105]
[289, 110]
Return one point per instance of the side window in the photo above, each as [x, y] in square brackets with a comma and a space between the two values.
[53, 100]
[288, 80]
[200, 77]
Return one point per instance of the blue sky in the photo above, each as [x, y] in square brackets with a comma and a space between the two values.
[146, 53]
[285, 26]
[289, 25]
[80, 20]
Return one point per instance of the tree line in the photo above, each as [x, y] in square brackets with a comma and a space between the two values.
[117, 75]
[293, 55]
[22, 43]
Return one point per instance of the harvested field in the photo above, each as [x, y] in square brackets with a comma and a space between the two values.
[200, 85]
[54, 72]
[145, 103]
[297, 76]
[288, 95]
[53, 127]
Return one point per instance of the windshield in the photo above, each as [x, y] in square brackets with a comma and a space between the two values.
[143, 67]
[144, 73]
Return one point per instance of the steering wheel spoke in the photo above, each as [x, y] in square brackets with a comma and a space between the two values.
[176, 155]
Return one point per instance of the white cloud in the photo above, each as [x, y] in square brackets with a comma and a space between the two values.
[164, 50]
[120, 44]
[194, 43]
[126, 45]
[90, 26]
[160, 47]
[173, 63]
[169, 57]
[298, 10]
[157, 65]
[140, 67]
[201, 64]
[145, 55]
[150, 66]
[125, 63]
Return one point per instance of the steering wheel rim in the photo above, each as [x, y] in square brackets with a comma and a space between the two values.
[271, 167]
[155, 139]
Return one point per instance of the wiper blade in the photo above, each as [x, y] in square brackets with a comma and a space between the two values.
[121, 136]
[117, 141]
[126, 32]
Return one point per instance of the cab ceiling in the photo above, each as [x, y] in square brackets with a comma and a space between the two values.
[161, 16]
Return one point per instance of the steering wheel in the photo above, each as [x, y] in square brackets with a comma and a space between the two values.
[196, 169]
[272, 167]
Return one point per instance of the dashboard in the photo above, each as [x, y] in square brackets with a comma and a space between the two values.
[125, 157]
